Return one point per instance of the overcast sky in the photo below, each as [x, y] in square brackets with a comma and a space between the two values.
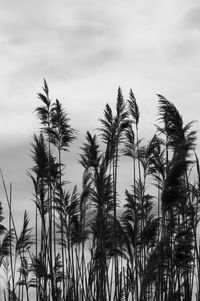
[86, 49]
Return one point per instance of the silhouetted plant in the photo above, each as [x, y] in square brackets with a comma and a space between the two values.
[88, 245]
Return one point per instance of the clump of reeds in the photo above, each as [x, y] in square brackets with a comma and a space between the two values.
[80, 247]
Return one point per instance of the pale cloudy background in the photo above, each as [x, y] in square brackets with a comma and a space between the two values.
[86, 49]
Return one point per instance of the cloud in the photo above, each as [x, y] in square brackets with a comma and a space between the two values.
[38, 42]
[66, 42]
[181, 37]
[90, 45]
[191, 19]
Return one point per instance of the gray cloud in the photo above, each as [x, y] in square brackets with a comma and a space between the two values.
[191, 19]
[89, 40]
[182, 36]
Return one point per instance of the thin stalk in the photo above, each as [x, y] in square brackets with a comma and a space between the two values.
[61, 221]
[11, 256]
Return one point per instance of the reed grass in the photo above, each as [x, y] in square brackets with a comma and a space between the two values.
[80, 247]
